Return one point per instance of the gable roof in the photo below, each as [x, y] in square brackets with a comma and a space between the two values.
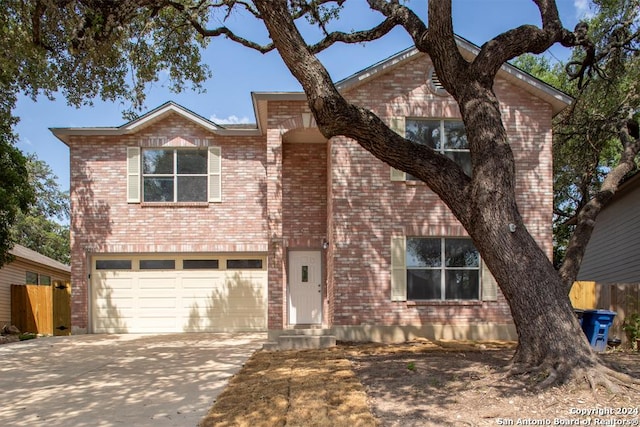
[27, 254]
[556, 98]
[148, 119]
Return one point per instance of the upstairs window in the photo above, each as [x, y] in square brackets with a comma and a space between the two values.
[174, 175]
[158, 175]
[445, 136]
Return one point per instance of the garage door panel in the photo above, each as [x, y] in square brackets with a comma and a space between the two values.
[115, 282]
[114, 312]
[115, 304]
[136, 301]
[157, 283]
[157, 303]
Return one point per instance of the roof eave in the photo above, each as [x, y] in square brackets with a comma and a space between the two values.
[65, 134]
[556, 98]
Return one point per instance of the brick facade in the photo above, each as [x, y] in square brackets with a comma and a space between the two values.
[287, 189]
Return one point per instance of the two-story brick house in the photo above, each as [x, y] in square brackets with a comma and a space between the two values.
[179, 224]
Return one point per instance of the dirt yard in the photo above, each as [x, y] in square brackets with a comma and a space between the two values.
[416, 384]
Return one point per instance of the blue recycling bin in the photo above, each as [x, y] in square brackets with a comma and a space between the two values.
[596, 324]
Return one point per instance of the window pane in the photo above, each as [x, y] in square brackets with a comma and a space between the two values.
[244, 263]
[45, 280]
[463, 158]
[113, 264]
[461, 253]
[158, 189]
[157, 162]
[157, 264]
[31, 278]
[462, 284]
[455, 136]
[200, 264]
[425, 132]
[192, 162]
[423, 284]
[192, 188]
[423, 252]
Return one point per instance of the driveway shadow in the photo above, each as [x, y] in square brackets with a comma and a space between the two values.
[109, 380]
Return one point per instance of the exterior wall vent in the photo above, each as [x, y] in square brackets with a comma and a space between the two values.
[435, 85]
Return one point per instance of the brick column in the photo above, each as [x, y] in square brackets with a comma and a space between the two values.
[277, 288]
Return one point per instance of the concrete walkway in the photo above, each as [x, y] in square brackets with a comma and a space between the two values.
[118, 380]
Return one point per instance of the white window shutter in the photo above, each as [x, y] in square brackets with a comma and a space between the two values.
[215, 174]
[133, 175]
[397, 124]
[398, 269]
[489, 285]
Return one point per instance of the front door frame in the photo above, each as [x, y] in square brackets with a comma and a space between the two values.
[314, 288]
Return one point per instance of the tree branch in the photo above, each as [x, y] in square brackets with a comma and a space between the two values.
[440, 43]
[589, 64]
[335, 116]
[403, 16]
[523, 39]
[356, 37]
[190, 17]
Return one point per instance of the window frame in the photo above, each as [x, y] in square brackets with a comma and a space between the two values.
[442, 143]
[443, 268]
[113, 264]
[40, 278]
[399, 125]
[33, 274]
[174, 175]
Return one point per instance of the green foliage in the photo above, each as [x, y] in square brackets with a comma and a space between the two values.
[631, 326]
[16, 195]
[42, 228]
[586, 137]
[541, 68]
[27, 336]
[111, 50]
[82, 50]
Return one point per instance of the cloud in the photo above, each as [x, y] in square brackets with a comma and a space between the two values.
[231, 120]
[583, 9]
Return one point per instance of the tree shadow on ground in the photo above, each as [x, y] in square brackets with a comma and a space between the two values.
[422, 384]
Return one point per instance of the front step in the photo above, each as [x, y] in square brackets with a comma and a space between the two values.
[302, 339]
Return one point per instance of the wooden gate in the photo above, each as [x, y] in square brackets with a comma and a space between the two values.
[583, 295]
[31, 308]
[41, 309]
[61, 308]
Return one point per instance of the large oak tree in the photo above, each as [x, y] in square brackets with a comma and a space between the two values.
[95, 43]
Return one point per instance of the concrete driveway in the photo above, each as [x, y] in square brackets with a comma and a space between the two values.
[118, 380]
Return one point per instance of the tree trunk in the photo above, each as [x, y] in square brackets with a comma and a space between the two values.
[550, 337]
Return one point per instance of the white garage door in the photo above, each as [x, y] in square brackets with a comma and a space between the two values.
[178, 294]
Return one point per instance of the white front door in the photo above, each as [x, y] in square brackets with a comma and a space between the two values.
[305, 287]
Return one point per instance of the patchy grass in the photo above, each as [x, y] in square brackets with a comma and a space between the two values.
[421, 383]
[293, 388]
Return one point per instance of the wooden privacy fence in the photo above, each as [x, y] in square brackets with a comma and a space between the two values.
[41, 309]
[623, 298]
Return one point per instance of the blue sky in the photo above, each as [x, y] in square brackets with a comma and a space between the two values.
[237, 71]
